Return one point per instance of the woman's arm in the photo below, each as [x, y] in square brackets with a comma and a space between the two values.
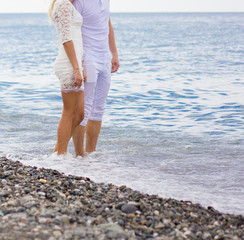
[70, 51]
[63, 17]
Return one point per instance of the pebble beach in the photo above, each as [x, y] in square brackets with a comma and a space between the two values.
[38, 203]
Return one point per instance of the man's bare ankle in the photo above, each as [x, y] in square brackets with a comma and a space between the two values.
[80, 154]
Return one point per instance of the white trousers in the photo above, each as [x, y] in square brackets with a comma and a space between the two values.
[96, 90]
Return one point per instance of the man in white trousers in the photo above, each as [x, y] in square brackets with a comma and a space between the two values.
[100, 59]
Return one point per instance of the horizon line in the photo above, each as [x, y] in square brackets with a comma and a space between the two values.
[141, 12]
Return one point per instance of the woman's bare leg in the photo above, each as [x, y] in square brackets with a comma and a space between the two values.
[68, 120]
[79, 131]
[79, 112]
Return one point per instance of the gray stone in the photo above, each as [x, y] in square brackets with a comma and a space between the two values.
[111, 227]
[127, 208]
[57, 234]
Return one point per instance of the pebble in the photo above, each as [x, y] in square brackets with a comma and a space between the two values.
[159, 225]
[57, 234]
[43, 181]
[42, 194]
[128, 208]
[156, 212]
[111, 227]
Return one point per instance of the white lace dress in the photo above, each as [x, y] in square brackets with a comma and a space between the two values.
[68, 25]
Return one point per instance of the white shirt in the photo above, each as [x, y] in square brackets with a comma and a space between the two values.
[95, 29]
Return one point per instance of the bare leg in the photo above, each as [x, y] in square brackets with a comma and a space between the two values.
[78, 140]
[56, 147]
[77, 131]
[92, 133]
[68, 120]
[79, 112]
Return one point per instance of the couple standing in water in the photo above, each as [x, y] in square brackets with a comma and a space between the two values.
[83, 67]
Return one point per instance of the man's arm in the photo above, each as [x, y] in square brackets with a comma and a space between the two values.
[113, 49]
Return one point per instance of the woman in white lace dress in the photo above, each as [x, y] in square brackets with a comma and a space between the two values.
[68, 69]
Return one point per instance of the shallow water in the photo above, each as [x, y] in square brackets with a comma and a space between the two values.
[175, 112]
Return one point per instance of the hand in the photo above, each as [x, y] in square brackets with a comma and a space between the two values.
[77, 78]
[115, 64]
[84, 75]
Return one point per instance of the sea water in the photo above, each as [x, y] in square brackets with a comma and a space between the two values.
[174, 121]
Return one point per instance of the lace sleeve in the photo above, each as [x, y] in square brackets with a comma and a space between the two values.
[62, 16]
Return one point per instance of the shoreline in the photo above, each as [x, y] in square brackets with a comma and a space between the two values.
[40, 203]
